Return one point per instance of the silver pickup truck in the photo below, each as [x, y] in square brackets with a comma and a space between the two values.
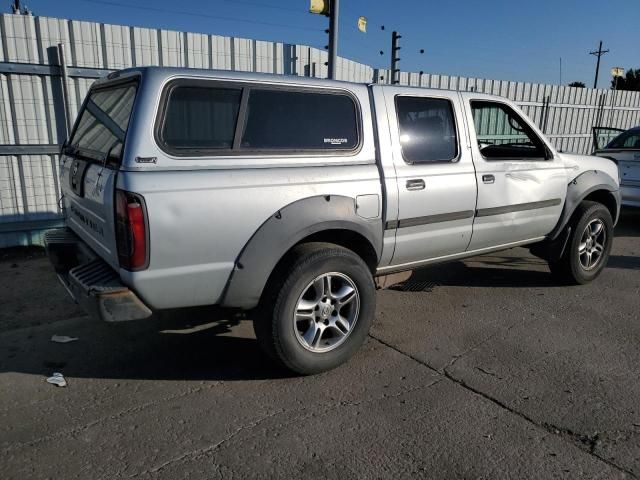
[286, 197]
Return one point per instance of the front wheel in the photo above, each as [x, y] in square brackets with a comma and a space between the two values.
[318, 310]
[588, 246]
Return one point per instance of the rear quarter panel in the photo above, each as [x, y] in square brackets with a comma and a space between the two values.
[202, 211]
[628, 161]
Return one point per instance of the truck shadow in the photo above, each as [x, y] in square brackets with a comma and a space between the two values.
[485, 271]
[496, 271]
[629, 223]
[192, 346]
[624, 261]
[512, 268]
[204, 344]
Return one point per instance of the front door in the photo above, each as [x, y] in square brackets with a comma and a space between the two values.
[521, 184]
[435, 175]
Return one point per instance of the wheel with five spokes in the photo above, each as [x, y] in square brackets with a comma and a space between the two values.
[326, 312]
[318, 309]
[592, 244]
[588, 246]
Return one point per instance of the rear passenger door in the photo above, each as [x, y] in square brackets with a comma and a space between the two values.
[435, 175]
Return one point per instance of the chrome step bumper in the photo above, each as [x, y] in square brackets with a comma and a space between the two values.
[90, 281]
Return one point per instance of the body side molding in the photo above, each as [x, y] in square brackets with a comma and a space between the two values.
[518, 207]
[482, 212]
[428, 219]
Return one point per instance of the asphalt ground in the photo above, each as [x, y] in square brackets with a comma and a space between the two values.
[477, 369]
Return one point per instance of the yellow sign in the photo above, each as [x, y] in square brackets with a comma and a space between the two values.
[617, 71]
[321, 7]
[362, 24]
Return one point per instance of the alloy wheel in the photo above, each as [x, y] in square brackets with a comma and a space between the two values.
[326, 312]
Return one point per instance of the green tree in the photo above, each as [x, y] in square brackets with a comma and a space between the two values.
[630, 81]
[577, 84]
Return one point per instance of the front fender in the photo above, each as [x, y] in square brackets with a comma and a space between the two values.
[284, 229]
[580, 188]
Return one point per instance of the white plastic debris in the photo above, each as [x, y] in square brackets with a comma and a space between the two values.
[63, 339]
[57, 379]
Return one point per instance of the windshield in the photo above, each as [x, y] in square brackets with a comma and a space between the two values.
[103, 123]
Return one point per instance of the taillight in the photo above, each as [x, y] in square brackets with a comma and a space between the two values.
[131, 231]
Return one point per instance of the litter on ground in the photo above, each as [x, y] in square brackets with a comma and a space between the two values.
[63, 339]
[57, 379]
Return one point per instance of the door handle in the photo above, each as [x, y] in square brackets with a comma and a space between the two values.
[488, 178]
[415, 184]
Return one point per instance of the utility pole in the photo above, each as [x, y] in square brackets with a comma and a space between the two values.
[395, 77]
[560, 71]
[598, 54]
[334, 8]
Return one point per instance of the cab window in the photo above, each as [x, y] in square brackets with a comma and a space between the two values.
[427, 129]
[503, 134]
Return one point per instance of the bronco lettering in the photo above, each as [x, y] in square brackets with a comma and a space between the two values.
[87, 221]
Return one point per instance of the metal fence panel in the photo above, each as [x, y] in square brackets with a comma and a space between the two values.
[87, 44]
[146, 51]
[32, 96]
[116, 49]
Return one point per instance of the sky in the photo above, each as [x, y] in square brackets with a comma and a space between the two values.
[497, 39]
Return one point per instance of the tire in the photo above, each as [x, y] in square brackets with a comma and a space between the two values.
[578, 268]
[337, 282]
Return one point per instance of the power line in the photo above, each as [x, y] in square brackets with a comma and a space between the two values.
[265, 5]
[197, 14]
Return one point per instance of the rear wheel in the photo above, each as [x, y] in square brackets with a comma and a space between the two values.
[318, 310]
[588, 246]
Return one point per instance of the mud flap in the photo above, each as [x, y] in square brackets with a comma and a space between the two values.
[552, 250]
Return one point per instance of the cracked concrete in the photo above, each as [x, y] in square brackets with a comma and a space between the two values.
[495, 373]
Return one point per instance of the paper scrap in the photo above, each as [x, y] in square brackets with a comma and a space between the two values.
[57, 379]
[63, 339]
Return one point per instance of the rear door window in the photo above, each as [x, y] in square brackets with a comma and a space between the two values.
[103, 122]
[299, 120]
[427, 129]
[201, 118]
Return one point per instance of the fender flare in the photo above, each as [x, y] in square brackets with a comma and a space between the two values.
[284, 229]
[579, 188]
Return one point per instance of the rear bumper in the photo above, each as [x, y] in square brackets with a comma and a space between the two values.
[90, 281]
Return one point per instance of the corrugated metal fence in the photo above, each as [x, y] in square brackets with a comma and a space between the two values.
[33, 96]
[565, 114]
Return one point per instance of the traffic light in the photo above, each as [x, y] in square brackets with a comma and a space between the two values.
[320, 7]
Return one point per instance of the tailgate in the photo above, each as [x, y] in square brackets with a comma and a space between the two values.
[90, 163]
